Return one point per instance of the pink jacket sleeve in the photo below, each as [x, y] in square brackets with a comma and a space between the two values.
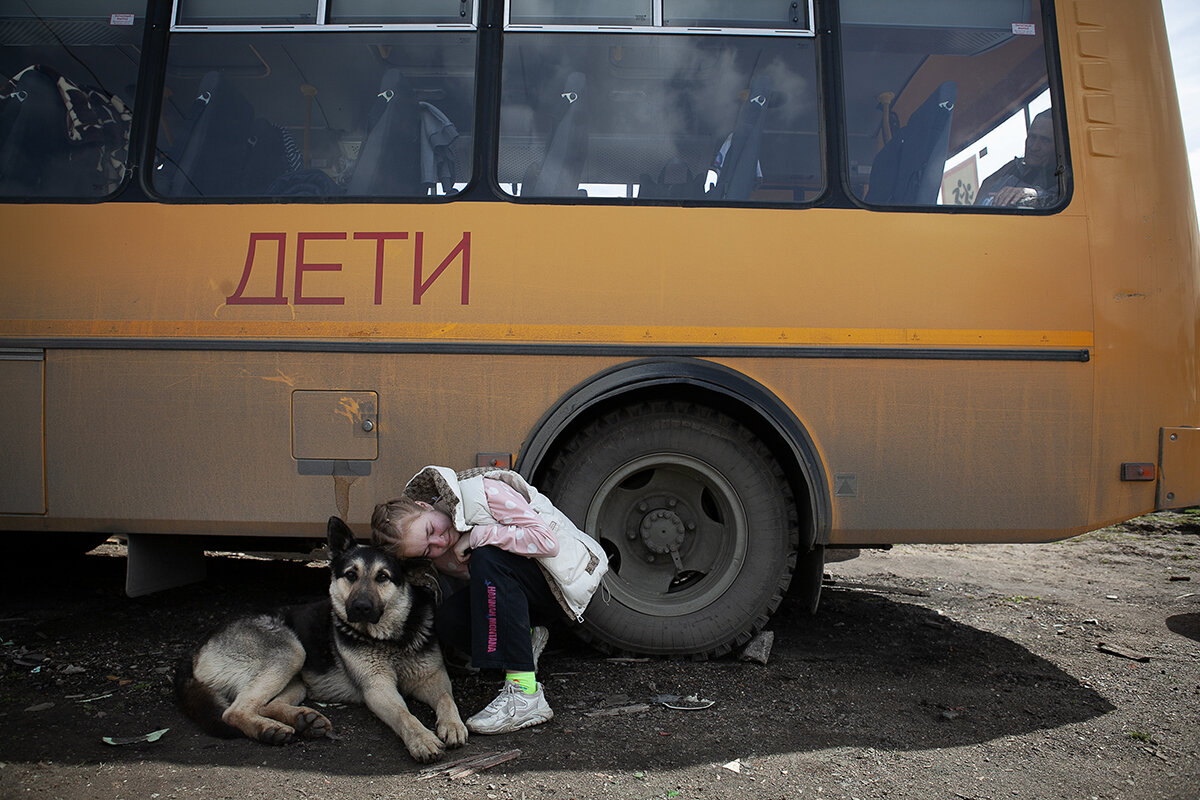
[518, 529]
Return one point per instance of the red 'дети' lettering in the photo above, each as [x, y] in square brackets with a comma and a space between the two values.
[421, 284]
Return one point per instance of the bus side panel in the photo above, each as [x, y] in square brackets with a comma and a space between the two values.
[1131, 176]
[196, 429]
[22, 468]
[947, 451]
[202, 442]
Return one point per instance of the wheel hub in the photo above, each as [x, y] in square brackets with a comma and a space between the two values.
[660, 523]
[662, 531]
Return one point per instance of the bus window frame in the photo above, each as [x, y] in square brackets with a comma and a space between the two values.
[1054, 85]
[656, 26]
[320, 24]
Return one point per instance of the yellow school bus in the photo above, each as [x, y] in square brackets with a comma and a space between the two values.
[739, 284]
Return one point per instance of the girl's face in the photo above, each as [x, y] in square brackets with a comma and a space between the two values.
[427, 535]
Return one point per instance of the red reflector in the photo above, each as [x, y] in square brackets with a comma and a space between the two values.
[498, 460]
[1138, 472]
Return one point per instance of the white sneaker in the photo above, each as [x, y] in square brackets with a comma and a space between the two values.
[538, 638]
[512, 710]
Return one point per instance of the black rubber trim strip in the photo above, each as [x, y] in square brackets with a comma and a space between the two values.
[1080, 355]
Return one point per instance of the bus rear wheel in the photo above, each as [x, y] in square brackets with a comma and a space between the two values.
[697, 519]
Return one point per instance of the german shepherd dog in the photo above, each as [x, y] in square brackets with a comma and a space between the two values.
[371, 641]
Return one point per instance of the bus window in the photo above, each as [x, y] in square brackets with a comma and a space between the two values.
[68, 78]
[722, 14]
[247, 12]
[735, 14]
[947, 103]
[658, 115]
[316, 110]
[580, 12]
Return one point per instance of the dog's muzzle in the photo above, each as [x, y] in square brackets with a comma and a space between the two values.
[361, 610]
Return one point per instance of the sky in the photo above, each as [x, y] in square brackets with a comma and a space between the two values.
[1183, 33]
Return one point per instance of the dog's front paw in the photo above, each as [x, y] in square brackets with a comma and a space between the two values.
[312, 724]
[425, 747]
[276, 734]
[452, 732]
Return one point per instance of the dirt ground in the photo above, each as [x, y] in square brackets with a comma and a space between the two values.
[1065, 670]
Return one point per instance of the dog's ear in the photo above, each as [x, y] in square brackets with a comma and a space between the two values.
[341, 538]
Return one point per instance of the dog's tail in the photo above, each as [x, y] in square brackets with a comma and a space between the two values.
[199, 702]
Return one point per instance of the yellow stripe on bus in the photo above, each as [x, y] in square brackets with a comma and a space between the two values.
[575, 334]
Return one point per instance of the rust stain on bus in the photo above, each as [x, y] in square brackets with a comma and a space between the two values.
[349, 408]
[341, 493]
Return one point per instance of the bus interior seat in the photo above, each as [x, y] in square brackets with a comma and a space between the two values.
[908, 169]
[273, 154]
[225, 151]
[210, 151]
[675, 181]
[390, 161]
[58, 137]
[738, 163]
[31, 133]
[561, 170]
[438, 163]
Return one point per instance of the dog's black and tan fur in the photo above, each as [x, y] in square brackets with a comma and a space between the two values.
[371, 641]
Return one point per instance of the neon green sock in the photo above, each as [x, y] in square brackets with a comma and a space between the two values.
[526, 680]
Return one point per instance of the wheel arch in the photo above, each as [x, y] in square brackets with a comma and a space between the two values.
[705, 382]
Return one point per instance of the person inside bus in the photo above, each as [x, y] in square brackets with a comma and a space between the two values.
[514, 563]
[1029, 182]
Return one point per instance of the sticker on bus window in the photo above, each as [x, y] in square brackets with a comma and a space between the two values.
[1024, 29]
[120, 19]
[960, 183]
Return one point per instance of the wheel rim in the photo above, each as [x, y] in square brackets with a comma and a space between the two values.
[676, 533]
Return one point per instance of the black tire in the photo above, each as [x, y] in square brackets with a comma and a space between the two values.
[698, 521]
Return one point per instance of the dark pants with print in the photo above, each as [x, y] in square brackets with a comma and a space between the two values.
[491, 618]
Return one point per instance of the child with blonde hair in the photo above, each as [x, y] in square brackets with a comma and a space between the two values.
[523, 562]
